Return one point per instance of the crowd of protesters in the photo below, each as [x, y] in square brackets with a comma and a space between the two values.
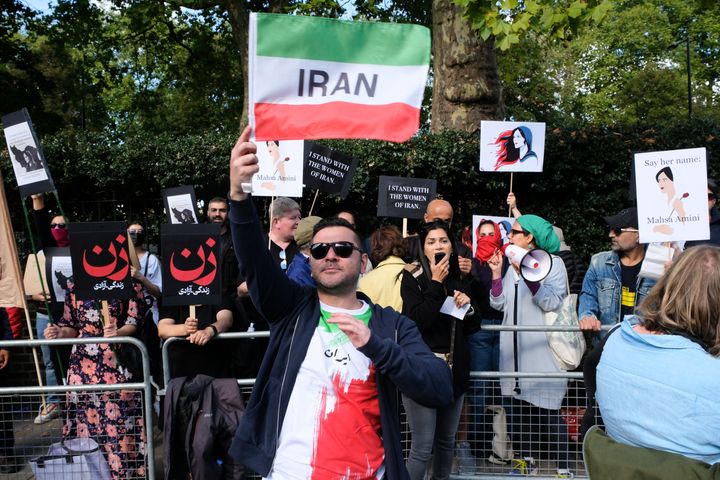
[355, 321]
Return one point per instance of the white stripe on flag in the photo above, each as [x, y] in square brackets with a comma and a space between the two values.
[288, 81]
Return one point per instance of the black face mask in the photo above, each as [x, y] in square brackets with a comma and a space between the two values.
[137, 238]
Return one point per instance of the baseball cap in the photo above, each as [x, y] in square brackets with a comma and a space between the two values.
[626, 218]
[304, 231]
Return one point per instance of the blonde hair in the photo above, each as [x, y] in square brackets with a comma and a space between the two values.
[687, 298]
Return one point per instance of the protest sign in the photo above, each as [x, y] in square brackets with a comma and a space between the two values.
[280, 171]
[58, 272]
[312, 78]
[512, 146]
[191, 264]
[672, 195]
[328, 170]
[180, 204]
[404, 197]
[505, 224]
[100, 261]
[26, 155]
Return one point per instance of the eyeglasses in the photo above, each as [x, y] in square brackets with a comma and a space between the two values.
[135, 231]
[283, 258]
[58, 225]
[619, 231]
[341, 249]
[518, 232]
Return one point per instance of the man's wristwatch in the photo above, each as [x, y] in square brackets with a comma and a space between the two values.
[214, 329]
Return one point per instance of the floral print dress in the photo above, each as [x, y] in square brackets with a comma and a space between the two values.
[113, 419]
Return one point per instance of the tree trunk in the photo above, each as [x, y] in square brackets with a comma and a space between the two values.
[239, 20]
[466, 86]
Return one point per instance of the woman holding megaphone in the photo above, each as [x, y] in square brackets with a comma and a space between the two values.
[437, 298]
[536, 283]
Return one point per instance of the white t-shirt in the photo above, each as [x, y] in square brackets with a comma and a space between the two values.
[151, 264]
[331, 429]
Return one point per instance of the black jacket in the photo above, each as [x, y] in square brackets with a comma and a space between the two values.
[401, 358]
[206, 412]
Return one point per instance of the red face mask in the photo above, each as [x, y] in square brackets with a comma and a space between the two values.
[61, 236]
[487, 245]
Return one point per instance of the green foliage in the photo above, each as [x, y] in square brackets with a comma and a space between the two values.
[509, 20]
[587, 174]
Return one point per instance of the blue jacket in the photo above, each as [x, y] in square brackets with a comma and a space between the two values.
[300, 272]
[661, 392]
[401, 358]
[602, 289]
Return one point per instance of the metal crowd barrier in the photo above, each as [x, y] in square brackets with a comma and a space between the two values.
[32, 440]
[474, 424]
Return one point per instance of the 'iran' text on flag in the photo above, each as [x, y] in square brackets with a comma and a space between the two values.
[312, 78]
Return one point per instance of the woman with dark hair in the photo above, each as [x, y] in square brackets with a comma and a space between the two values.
[426, 284]
[514, 146]
[382, 284]
[658, 379]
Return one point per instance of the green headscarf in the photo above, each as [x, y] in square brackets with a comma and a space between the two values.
[542, 231]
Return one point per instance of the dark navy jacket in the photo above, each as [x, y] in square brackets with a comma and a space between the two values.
[401, 358]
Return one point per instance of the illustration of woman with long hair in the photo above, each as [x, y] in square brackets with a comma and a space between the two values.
[514, 146]
[666, 183]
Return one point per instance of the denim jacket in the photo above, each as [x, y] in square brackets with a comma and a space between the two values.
[602, 289]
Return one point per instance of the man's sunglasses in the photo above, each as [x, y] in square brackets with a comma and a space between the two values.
[58, 225]
[341, 249]
[619, 231]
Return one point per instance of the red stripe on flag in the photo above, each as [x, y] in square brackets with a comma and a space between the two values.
[396, 122]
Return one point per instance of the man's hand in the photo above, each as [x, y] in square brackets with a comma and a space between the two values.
[191, 325]
[590, 323]
[242, 290]
[465, 265]
[38, 201]
[4, 358]
[201, 337]
[243, 164]
[356, 331]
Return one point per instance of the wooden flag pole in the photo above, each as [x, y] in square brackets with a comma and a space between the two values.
[105, 312]
[313, 202]
[134, 260]
[405, 228]
[272, 200]
[511, 189]
[192, 311]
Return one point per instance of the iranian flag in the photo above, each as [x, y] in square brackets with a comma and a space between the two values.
[313, 78]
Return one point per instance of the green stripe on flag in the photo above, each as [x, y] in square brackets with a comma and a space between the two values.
[317, 38]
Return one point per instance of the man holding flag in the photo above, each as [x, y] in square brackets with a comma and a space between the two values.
[325, 399]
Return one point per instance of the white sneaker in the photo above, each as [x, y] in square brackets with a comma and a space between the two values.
[51, 411]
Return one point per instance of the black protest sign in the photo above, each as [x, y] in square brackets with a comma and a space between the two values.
[26, 155]
[191, 264]
[180, 205]
[58, 272]
[328, 170]
[404, 197]
[100, 261]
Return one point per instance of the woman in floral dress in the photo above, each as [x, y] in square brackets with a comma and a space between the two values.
[113, 419]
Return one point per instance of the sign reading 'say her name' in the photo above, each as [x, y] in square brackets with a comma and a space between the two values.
[191, 264]
[404, 197]
[100, 260]
[327, 170]
[672, 195]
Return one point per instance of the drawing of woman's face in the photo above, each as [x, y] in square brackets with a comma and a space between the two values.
[666, 185]
[518, 139]
[273, 150]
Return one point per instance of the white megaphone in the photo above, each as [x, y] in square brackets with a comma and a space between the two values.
[534, 264]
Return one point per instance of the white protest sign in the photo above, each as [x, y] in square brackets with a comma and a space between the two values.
[281, 169]
[672, 195]
[512, 146]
